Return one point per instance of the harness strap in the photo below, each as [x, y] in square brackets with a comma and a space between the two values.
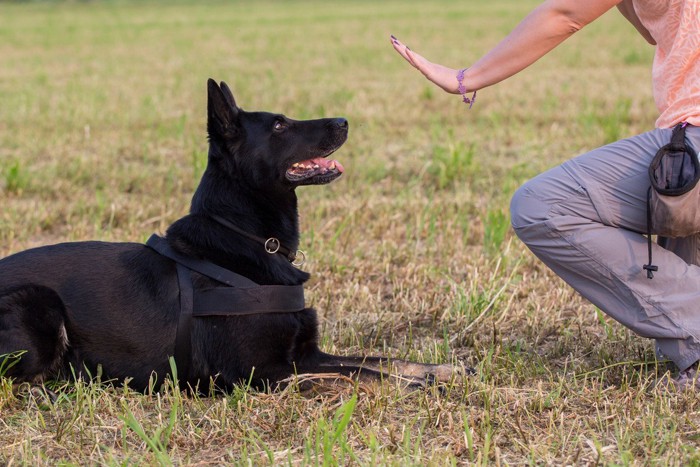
[206, 268]
[183, 338]
[229, 301]
[241, 297]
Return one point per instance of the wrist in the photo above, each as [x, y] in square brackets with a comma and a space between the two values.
[462, 89]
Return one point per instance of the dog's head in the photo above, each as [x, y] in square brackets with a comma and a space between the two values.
[270, 151]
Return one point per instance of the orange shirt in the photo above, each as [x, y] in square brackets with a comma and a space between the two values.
[675, 25]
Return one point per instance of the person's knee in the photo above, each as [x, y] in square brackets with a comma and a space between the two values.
[526, 208]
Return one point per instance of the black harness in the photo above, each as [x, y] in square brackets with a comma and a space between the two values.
[239, 297]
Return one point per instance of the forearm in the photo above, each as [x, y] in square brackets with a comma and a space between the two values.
[542, 30]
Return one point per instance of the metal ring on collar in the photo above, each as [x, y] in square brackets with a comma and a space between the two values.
[272, 245]
[299, 258]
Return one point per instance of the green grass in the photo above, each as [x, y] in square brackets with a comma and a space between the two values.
[102, 136]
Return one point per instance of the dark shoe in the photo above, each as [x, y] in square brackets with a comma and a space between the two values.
[686, 380]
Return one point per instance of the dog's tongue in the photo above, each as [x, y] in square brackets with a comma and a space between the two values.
[318, 170]
[329, 164]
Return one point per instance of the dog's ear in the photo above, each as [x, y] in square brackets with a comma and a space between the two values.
[222, 112]
[228, 95]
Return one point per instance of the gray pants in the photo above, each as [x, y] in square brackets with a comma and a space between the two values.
[585, 219]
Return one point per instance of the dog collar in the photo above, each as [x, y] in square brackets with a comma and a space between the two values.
[272, 245]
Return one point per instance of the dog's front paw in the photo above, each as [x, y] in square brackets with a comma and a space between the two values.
[446, 372]
[36, 394]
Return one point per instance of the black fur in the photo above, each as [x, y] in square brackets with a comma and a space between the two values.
[75, 306]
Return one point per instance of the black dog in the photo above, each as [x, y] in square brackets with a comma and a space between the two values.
[219, 292]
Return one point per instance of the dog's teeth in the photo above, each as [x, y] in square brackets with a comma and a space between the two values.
[332, 166]
[316, 166]
[295, 165]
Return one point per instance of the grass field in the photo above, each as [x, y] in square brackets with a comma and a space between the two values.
[102, 114]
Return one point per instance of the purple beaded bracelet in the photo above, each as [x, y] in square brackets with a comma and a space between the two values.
[463, 90]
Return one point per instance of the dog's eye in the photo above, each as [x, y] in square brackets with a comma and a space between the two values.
[279, 126]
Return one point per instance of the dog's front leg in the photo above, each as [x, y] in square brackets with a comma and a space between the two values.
[428, 372]
[360, 373]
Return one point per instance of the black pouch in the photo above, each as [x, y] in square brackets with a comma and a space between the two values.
[673, 199]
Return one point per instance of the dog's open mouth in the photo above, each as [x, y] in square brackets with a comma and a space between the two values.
[316, 171]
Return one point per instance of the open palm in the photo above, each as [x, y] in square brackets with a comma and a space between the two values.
[442, 76]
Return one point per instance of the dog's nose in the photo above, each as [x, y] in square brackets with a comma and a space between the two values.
[340, 122]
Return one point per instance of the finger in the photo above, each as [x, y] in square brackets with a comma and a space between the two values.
[417, 60]
[405, 51]
[438, 74]
[402, 50]
[398, 46]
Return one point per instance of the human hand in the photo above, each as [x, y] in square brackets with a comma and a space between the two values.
[442, 76]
